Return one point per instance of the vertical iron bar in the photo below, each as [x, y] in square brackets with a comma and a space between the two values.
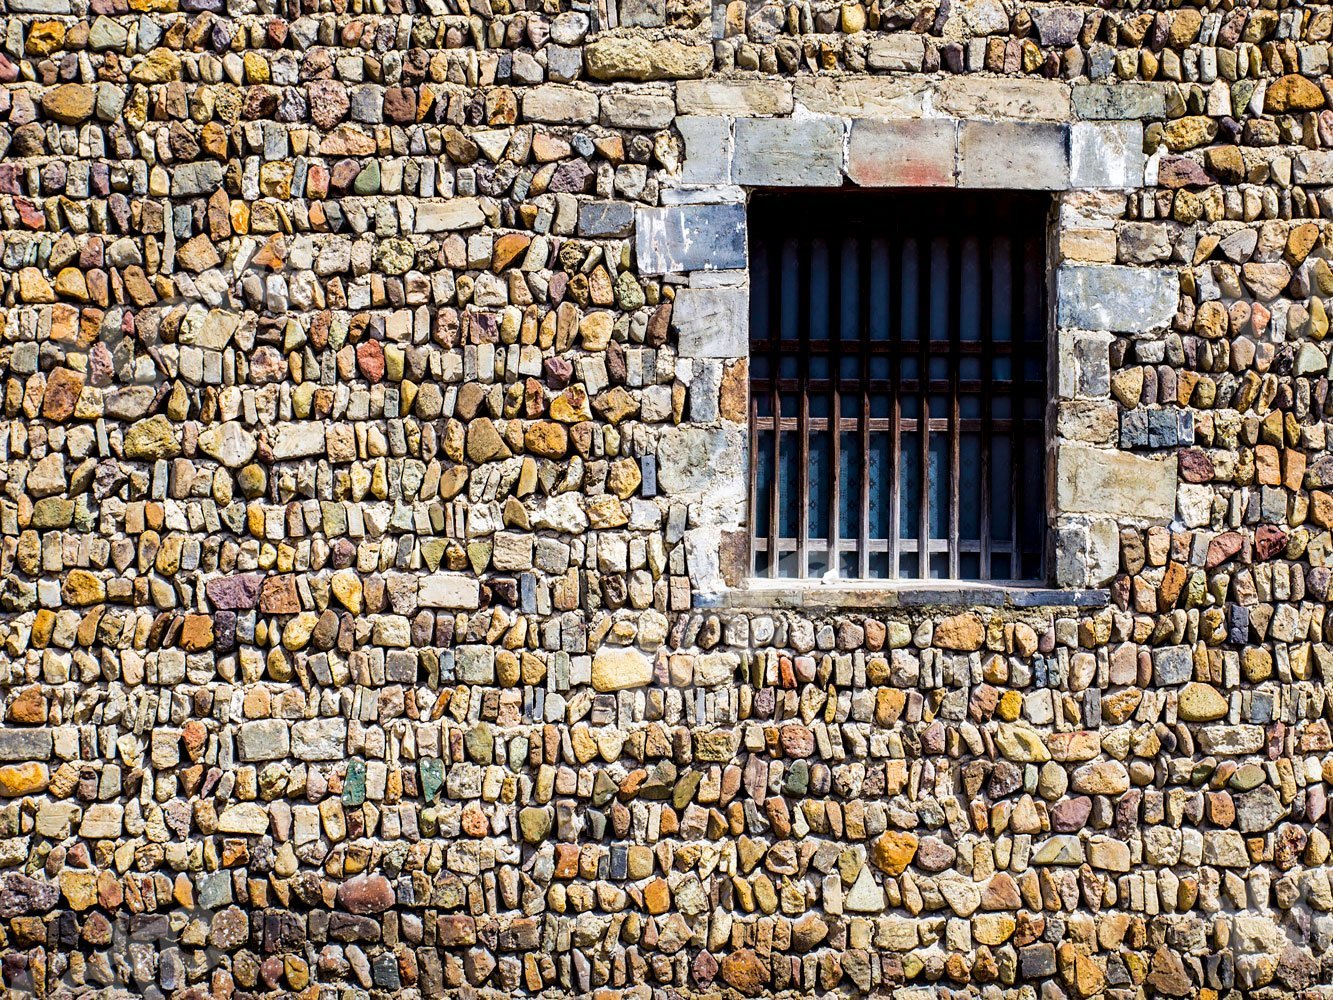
[803, 266]
[773, 256]
[1017, 373]
[864, 255]
[985, 319]
[955, 279]
[894, 278]
[924, 256]
[833, 321]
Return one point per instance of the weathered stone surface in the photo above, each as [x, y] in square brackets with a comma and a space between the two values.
[712, 322]
[776, 152]
[1115, 483]
[1119, 299]
[903, 153]
[690, 238]
[734, 97]
[626, 58]
[618, 669]
[1016, 155]
[377, 614]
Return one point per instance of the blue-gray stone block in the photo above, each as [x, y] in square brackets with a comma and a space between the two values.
[606, 218]
[690, 238]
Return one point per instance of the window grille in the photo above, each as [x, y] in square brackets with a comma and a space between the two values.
[898, 386]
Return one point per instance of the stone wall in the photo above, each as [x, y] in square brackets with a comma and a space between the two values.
[373, 529]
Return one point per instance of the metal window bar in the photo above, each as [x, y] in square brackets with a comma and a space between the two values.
[833, 379]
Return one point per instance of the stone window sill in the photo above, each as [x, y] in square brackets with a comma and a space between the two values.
[875, 595]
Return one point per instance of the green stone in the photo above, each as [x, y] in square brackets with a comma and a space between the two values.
[432, 778]
[252, 481]
[354, 785]
[685, 789]
[153, 438]
[798, 778]
[628, 293]
[368, 181]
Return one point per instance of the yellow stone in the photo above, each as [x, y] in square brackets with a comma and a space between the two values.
[893, 851]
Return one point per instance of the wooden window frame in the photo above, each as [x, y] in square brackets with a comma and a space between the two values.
[838, 215]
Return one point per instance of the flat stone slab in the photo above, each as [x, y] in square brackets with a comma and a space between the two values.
[690, 238]
[1115, 298]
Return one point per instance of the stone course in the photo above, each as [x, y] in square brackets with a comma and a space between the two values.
[373, 619]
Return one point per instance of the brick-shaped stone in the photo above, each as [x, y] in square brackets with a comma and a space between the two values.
[448, 590]
[1106, 155]
[708, 149]
[1115, 298]
[1023, 156]
[734, 97]
[1122, 100]
[639, 111]
[784, 152]
[1114, 483]
[557, 103]
[606, 218]
[712, 322]
[690, 238]
[917, 153]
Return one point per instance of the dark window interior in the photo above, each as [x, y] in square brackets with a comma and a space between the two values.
[898, 385]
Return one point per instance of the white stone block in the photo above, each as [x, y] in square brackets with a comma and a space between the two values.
[448, 590]
[1106, 155]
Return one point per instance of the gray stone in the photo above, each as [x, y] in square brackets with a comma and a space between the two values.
[264, 739]
[319, 739]
[642, 13]
[446, 216]
[1114, 483]
[896, 97]
[646, 111]
[200, 178]
[1025, 156]
[606, 218]
[1114, 298]
[1172, 665]
[712, 322]
[559, 104]
[896, 53]
[475, 664]
[690, 238]
[1058, 27]
[1313, 167]
[1030, 100]
[708, 149]
[1122, 100]
[703, 460]
[788, 152]
[25, 744]
[1258, 810]
[918, 153]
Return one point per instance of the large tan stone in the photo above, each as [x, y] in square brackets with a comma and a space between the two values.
[1114, 483]
[863, 97]
[987, 97]
[633, 58]
[615, 669]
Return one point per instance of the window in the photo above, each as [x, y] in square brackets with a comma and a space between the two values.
[898, 386]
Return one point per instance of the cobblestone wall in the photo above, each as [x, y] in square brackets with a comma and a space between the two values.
[372, 510]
